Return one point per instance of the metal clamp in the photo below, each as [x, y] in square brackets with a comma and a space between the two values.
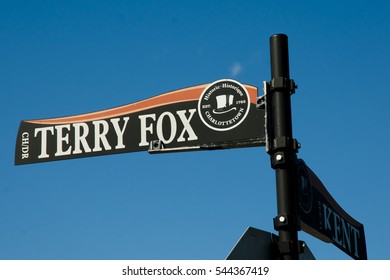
[289, 247]
[286, 222]
[281, 143]
[278, 160]
[260, 102]
[281, 150]
[156, 145]
[281, 83]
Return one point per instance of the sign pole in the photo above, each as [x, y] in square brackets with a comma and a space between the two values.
[282, 148]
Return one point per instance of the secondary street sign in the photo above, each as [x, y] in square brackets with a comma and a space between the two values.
[256, 244]
[219, 115]
[322, 216]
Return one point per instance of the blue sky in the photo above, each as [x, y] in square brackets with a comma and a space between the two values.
[60, 58]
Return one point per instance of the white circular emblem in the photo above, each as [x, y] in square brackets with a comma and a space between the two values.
[224, 105]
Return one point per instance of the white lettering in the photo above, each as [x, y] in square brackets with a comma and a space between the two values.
[337, 229]
[43, 131]
[100, 135]
[81, 138]
[25, 144]
[173, 127]
[356, 235]
[145, 128]
[342, 231]
[346, 229]
[167, 122]
[119, 132]
[187, 126]
[62, 139]
[327, 216]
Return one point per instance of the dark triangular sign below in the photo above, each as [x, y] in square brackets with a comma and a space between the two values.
[256, 244]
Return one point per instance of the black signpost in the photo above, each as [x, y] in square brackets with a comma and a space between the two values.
[218, 115]
[282, 147]
[302, 199]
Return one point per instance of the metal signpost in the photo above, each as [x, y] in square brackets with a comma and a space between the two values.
[219, 115]
[282, 147]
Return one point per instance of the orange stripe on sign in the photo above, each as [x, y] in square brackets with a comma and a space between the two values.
[181, 95]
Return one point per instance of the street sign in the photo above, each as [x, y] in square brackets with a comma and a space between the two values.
[219, 115]
[322, 216]
[256, 244]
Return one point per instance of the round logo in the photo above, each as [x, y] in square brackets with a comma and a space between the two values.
[224, 105]
[305, 191]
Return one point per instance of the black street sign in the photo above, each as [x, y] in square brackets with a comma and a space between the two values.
[322, 216]
[219, 115]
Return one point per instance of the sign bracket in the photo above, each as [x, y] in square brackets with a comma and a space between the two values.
[158, 146]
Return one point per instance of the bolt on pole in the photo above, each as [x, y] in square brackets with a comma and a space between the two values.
[283, 148]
